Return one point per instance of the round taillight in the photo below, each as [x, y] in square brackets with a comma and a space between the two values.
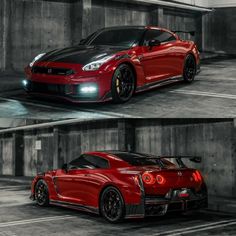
[160, 179]
[197, 176]
[148, 178]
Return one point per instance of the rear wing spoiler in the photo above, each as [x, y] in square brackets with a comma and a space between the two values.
[195, 159]
[192, 33]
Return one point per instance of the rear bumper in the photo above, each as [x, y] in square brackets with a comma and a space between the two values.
[162, 206]
[159, 205]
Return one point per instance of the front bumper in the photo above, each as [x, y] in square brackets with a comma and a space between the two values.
[81, 92]
[80, 86]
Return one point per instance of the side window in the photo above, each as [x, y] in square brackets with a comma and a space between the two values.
[162, 36]
[89, 162]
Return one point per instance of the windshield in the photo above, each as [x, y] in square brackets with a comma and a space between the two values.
[118, 37]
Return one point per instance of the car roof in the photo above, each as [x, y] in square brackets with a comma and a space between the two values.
[136, 27]
[117, 157]
[118, 152]
[126, 27]
[142, 27]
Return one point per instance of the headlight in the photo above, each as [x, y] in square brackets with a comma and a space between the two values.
[95, 65]
[36, 59]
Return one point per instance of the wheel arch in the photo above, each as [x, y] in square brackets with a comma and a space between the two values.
[129, 63]
[103, 189]
[41, 177]
[194, 57]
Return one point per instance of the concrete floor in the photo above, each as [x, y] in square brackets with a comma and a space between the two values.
[212, 94]
[21, 217]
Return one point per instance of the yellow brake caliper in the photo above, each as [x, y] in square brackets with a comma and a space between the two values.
[118, 85]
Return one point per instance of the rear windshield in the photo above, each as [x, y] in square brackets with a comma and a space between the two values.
[136, 159]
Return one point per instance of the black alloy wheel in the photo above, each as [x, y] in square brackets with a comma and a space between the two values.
[112, 205]
[41, 193]
[189, 69]
[123, 84]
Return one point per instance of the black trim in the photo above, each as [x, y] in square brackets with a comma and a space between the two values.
[158, 83]
[52, 71]
[71, 91]
[137, 210]
[75, 206]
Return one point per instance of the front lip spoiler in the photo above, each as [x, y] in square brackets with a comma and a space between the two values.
[105, 98]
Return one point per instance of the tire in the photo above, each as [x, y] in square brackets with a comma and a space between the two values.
[123, 84]
[41, 193]
[189, 69]
[112, 205]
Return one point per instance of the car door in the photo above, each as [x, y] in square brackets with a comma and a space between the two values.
[158, 61]
[75, 184]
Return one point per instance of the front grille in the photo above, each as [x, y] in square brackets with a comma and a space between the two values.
[56, 89]
[51, 71]
[65, 90]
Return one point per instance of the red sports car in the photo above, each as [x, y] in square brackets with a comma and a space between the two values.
[119, 185]
[113, 64]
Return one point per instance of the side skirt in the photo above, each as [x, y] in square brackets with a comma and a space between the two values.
[75, 206]
[158, 84]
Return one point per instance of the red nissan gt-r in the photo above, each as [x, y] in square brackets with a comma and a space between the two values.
[119, 185]
[113, 64]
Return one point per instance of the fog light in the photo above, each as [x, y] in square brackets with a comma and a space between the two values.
[25, 82]
[88, 89]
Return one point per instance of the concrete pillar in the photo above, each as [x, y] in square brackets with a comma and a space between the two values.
[86, 18]
[18, 154]
[76, 21]
[160, 14]
[1, 157]
[126, 135]
[198, 35]
[5, 35]
[154, 17]
[234, 156]
[55, 147]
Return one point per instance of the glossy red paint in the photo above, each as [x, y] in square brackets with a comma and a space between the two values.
[139, 186]
[151, 67]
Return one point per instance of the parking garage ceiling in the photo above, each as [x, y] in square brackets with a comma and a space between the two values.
[188, 5]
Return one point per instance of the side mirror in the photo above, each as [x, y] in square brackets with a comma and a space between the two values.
[65, 167]
[154, 42]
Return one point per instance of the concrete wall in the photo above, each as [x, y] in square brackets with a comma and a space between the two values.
[7, 156]
[28, 27]
[220, 3]
[214, 141]
[219, 30]
[31, 27]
